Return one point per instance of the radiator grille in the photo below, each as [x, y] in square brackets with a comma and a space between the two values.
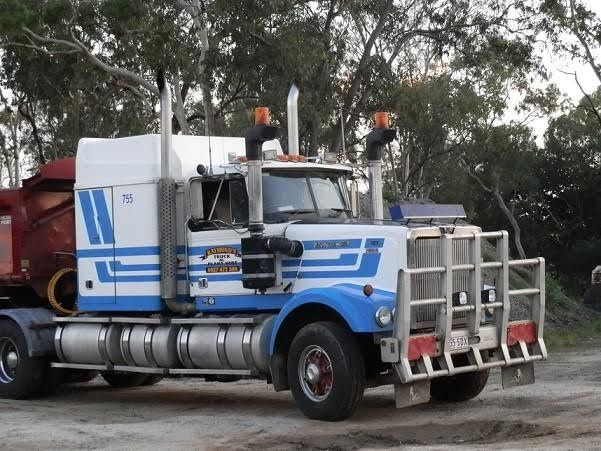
[425, 252]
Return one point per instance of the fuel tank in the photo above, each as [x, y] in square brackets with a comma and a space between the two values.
[211, 344]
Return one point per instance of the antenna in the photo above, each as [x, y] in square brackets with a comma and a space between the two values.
[342, 132]
[210, 150]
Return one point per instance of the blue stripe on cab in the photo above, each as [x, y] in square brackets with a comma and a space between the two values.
[242, 302]
[104, 218]
[342, 260]
[118, 252]
[88, 216]
[118, 266]
[368, 268]
[105, 277]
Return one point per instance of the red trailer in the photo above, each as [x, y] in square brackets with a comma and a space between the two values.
[37, 236]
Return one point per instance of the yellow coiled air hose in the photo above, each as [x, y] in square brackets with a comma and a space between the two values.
[51, 294]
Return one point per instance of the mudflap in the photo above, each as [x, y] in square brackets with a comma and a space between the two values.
[410, 394]
[517, 375]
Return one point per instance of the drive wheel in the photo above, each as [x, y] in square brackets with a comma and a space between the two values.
[21, 376]
[326, 371]
[124, 380]
[460, 387]
[153, 379]
[80, 376]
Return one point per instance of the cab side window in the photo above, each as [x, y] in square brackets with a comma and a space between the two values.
[225, 203]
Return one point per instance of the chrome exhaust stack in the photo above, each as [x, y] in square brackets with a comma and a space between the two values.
[167, 212]
[293, 134]
[376, 139]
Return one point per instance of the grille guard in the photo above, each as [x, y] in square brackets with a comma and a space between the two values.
[491, 336]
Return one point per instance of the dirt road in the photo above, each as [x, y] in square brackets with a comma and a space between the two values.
[562, 410]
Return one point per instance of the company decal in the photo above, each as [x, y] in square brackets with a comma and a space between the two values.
[331, 244]
[221, 259]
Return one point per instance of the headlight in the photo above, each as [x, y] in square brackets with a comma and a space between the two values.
[383, 316]
[489, 295]
[460, 298]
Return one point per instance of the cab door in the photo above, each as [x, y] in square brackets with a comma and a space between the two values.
[95, 246]
[214, 235]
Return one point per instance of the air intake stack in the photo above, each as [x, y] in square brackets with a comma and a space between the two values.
[258, 250]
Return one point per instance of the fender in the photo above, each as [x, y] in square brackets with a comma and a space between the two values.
[37, 326]
[347, 300]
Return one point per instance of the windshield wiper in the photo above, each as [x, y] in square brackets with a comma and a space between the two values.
[337, 211]
[298, 211]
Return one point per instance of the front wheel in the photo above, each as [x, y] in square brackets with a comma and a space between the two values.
[326, 371]
[21, 376]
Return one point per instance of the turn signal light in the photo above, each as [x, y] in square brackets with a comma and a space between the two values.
[381, 119]
[293, 158]
[262, 116]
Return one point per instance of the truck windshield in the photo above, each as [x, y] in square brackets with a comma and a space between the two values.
[288, 194]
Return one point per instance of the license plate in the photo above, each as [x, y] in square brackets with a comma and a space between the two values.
[458, 343]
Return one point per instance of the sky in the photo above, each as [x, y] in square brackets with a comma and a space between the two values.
[565, 82]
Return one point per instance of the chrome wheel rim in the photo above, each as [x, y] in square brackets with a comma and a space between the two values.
[315, 373]
[9, 360]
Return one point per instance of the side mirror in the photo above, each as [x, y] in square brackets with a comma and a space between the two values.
[195, 196]
[355, 202]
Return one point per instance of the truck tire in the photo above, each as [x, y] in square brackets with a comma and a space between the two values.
[326, 371]
[124, 380]
[21, 376]
[460, 387]
[80, 376]
[152, 379]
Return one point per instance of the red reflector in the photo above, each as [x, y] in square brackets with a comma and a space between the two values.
[521, 331]
[422, 345]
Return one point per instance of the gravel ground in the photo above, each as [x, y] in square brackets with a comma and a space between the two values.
[561, 411]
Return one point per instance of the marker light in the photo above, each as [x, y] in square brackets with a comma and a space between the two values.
[262, 116]
[292, 158]
[368, 290]
[381, 119]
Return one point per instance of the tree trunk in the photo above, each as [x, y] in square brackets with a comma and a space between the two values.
[517, 232]
[395, 182]
[27, 113]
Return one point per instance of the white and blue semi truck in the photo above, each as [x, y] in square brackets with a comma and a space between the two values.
[224, 258]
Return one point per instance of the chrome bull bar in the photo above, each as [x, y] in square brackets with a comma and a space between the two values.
[417, 364]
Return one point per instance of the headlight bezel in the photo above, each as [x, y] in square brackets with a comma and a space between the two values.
[460, 298]
[383, 316]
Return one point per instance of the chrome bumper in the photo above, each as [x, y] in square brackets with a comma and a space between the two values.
[422, 357]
